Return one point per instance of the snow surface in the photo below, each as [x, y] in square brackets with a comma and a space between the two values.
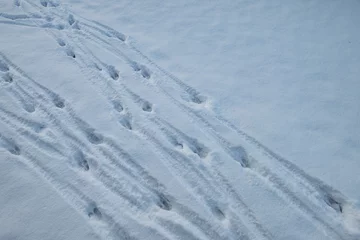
[179, 119]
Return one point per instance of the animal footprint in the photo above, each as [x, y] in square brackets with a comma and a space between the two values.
[48, 3]
[81, 160]
[94, 211]
[7, 78]
[239, 154]
[125, 121]
[114, 74]
[146, 106]
[144, 71]
[61, 42]
[118, 106]
[3, 66]
[93, 137]
[10, 145]
[59, 102]
[71, 19]
[164, 203]
[70, 53]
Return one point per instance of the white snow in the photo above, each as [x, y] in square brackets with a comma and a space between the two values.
[179, 119]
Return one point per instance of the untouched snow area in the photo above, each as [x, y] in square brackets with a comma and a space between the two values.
[179, 120]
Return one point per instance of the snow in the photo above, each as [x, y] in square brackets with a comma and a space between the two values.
[179, 119]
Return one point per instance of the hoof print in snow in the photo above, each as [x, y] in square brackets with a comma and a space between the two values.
[118, 106]
[135, 66]
[60, 27]
[70, 53]
[144, 71]
[7, 78]
[14, 149]
[114, 74]
[76, 25]
[197, 98]
[29, 107]
[164, 203]
[71, 19]
[336, 205]
[58, 102]
[94, 138]
[194, 96]
[218, 213]
[174, 141]
[81, 160]
[126, 122]
[61, 42]
[120, 36]
[146, 106]
[239, 154]
[44, 3]
[48, 3]
[94, 212]
[3, 66]
[199, 149]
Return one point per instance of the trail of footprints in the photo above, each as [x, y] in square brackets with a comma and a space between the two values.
[178, 139]
[93, 138]
[13, 148]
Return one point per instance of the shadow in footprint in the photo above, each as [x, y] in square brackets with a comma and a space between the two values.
[218, 212]
[59, 102]
[11, 146]
[71, 19]
[44, 3]
[48, 3]
[61, 42]
[3, 66]
[334, 203]
[164, 202]
[117, 105]
[239, 154]
[29, 107]
[81, 160]
[146, 106]
[193, 96]
[76, 25]
[144, 71]
[7, 78]
[70, 53]
[126, 122]
[114, 74]
[94, 211]
[198, 148]
[197, 98]
[120, 36]
[93, 137]
[14, 149]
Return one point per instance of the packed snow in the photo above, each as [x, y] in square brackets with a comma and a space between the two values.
[207, 120]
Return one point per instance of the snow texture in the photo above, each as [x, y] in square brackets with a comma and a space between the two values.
[207, 120]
